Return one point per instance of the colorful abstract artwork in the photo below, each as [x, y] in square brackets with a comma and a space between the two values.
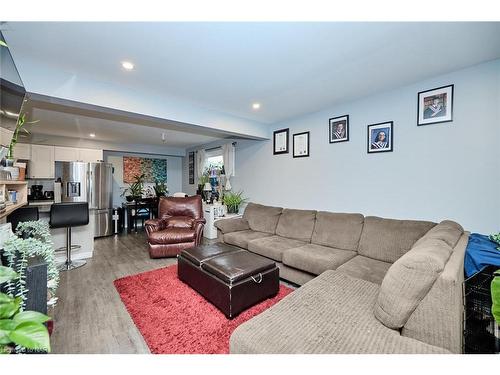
[153, 169]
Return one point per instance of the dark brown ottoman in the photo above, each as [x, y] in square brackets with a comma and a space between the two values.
[230, 278]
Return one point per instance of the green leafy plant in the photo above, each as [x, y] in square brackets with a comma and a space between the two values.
[3, 44]
[495, 296]
[22, 328]
[20, 128]
[496, 238]
[233, 201]
[204, 178]
[136, 188]
[32, 239]
[161, 188]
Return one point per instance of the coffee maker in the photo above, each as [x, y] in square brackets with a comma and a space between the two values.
[37, 192]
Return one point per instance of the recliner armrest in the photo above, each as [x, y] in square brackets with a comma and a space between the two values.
[232, 225]
[154, 225]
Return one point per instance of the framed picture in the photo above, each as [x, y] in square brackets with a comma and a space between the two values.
[380, 137]
[301, 145]
[339, 129]
[435, 106]
[191, 168]
[280, 141]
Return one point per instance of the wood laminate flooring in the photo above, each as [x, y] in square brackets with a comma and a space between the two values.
[90, 316]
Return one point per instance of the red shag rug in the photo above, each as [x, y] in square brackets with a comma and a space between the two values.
[174, 319]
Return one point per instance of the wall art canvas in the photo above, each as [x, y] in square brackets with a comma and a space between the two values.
[435, 106]
[153, 169]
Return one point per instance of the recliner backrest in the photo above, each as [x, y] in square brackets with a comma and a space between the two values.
[190, 207]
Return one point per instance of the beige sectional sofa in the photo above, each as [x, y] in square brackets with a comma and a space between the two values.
[369, 284]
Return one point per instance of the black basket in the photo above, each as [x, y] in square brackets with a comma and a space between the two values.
[481, 332]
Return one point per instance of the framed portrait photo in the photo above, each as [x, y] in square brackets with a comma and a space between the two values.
[380, 137]
[301, 145]
[339, 129]
[280, 141]
[435, 106]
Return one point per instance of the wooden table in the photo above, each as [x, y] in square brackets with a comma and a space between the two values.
[130, 211]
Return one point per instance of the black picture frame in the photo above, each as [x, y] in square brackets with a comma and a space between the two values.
[287, 133]
[333, 121]
[421, 121]
[191, 167]
[380, 125]
[305, 155]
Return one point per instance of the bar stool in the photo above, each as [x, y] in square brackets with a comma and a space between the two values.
[29, 213]
[68, 215]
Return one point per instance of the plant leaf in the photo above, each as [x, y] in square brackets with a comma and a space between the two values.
[7, 325]
[4, 337]
[30, 316]
[31, 335]
[9, 309]
[5, 298]
[2, 43]
[7, 274]
[495, 297]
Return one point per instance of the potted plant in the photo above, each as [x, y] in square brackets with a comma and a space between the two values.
[233, 201]
[204, 178]
[160, 188]
[20, 329]
[135, 189]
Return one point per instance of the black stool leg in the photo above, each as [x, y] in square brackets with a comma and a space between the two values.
[70, 264]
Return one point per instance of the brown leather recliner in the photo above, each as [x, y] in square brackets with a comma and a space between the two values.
[179, 226]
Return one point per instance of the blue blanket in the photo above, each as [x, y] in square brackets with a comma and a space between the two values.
[480, 253]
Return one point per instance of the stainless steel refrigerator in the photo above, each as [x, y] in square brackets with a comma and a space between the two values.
[93, 183]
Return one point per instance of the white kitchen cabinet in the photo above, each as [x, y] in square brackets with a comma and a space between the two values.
[65, 153]
[22, 151]
[42, 162]
[89, 155]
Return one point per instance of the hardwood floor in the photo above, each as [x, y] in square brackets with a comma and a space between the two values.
[90, 316]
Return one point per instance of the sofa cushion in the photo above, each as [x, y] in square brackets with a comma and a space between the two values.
[316, 258]
[242, 237]
[296, 224]
[273, 246]
[333, 313]
[365, 268]
[338, 230]
[409, 280]
[231, 225]
[262, 218]
[447, 231]
[173, 235]
[388, 239]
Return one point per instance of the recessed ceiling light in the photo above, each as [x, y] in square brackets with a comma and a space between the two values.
[256, 105]
[92, 135]
[127, 65]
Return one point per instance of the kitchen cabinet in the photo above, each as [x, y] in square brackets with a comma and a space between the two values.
[65, 153]
[89, 155]
[5, 136]
[42, 162]
[77, 154]
[22, 151]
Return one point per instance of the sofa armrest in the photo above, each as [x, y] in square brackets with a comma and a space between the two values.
[232, 225]
[154, 225]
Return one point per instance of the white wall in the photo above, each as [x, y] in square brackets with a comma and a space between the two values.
[174, 172]
[440, 171]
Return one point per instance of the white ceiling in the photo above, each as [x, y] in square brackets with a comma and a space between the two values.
[290, 68]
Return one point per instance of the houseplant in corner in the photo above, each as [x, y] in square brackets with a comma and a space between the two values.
[233, 201]
[20, 329]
